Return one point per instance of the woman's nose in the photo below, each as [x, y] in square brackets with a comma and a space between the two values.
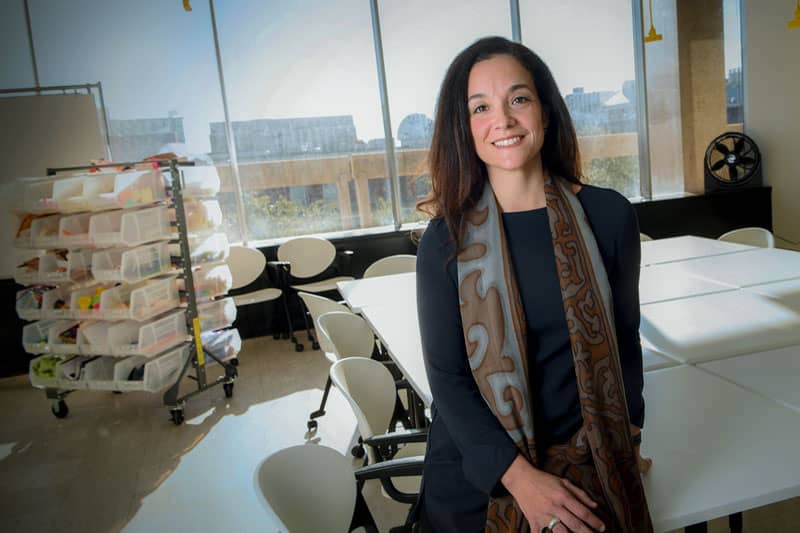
[504, 119]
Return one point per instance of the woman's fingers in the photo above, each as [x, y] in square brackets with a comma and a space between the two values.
[571, 523]
[644, 464]
[579, 511]
[579, 493]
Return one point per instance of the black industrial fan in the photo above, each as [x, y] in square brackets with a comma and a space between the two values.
[732, 160]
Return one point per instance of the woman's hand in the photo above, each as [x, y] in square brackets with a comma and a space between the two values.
[542, 497]
[644, 463]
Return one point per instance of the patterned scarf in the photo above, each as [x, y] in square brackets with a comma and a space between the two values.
[600, 457]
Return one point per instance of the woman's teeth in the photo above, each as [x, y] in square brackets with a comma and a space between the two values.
[508, 142]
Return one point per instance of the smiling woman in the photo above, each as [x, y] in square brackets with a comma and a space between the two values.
[527, 294]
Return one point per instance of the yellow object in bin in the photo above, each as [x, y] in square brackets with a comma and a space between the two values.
[84, 302]
[794, 24]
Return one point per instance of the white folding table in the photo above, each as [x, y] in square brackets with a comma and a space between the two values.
[380, 290]
[686, 247]
[668, 281]
[754, 267]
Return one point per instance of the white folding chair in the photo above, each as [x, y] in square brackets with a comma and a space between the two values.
[750, 236]
[247, 265]
[644, 237]
[369, 388]
[305, 258]
[393, 264]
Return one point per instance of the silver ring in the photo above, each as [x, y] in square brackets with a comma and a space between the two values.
[550, 525]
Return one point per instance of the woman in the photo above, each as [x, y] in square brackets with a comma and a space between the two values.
[527, 289]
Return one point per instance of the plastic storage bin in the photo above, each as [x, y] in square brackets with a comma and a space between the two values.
[73, 231]
[85, 302]
[62, 338]
[131, 265]
[130, 227]
[150, 338]
[225, 344]
[80, 191]
[29, 302]
[42, 371]
[93, 338]
[140, 301]
[151, 375]
[217, 314]
[37, 231]
[200, 181]
[52, 267]
[37, 196]
[132, 188]
[204, 249]
[36, 335]
[210, 281]
[202, 216]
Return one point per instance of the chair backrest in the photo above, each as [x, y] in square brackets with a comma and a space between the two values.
[369, 388]
[349, 334]
[310, 487]
[308, 256]
[643, 237]
[750, 236]
[317, 306]
[246, 265]
[394, 264]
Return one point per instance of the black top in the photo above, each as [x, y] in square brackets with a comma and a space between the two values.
[468, 450]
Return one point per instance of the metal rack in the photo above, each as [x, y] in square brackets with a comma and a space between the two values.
[197, 353]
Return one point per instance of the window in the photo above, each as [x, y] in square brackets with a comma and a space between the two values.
[15, 54]
[418, 48]
[589, 49]
[305, 111]
[156, 65]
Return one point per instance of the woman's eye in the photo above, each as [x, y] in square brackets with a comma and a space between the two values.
[479, 109]
[520, 100]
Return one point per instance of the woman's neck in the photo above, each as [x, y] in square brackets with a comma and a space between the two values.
[519, 190]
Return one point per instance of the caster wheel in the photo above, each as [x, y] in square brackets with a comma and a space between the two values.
[276, 336]
[298, 347]
[315, 345]
[234, 361]
[60, 409]
[357, 451]
[312, 424]
[177, 416]
[116, 392]
[228, 387]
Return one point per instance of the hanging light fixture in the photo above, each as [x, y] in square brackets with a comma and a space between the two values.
[794, 24]
[652, 35]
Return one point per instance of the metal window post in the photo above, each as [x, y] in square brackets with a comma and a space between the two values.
[645, 178]
[516, 25]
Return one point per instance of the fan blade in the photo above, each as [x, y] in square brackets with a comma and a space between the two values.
[738, 145]
[745, 160]
[721, 148]
[734, 174]
[718, 165]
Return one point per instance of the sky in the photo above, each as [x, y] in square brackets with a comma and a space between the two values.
[302, 58]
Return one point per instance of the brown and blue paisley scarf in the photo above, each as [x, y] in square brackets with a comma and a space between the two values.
[600, 457]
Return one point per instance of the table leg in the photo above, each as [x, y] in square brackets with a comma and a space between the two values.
[702, 527]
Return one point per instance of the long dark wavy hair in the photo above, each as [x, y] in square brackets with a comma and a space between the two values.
[457, 173]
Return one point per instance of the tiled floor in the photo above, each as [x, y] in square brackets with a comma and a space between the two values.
[117, 462]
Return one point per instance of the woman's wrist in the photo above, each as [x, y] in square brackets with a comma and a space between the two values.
[514, 472]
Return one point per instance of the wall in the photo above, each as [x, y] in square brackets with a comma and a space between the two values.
[772, 106]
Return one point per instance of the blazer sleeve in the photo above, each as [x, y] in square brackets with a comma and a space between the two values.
[485, 447]
[624, 282]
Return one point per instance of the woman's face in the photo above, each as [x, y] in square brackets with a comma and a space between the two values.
[506, 116]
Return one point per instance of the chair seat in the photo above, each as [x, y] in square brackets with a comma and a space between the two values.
[408, 484]
[257, 297]
[322, 286]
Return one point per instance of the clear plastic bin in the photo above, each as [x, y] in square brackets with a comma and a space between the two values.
[29, 302]
[131, 265]
[52, 267]
[141, 301]
[99, 370]
[56, 303]
[85, 302]
[35, 336]
[37, 196]
[42, 371]
[155, 374]
[93, 338]
[225, 344]
[200, 181]
[148, 339]
[132, 188]
[217, 314]
[210, 281]
[204, 249]
[130, 227]
[62, 338]
[36, 231]
[73, 231]
[202, 216]
[80, 191]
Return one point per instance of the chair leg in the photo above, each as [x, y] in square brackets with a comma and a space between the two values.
[311, 338]
[321, 411]
[297, 346]
[362, 517]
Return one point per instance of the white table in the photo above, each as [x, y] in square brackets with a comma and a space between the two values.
[379, 290]
[668, 281]
[686, 247]
[716, 448]
[774, 374]
[786, 292]
[715, 326]
[762, 265]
